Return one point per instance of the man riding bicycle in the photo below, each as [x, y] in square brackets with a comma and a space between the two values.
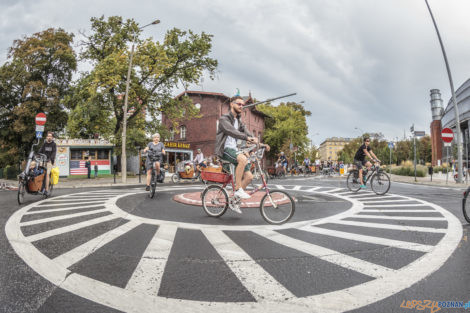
[49, 148]
[360, 159]
[230, 129]
[158, 149]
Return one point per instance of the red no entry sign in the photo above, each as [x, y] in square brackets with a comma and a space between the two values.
[40, 119]
[447, 135]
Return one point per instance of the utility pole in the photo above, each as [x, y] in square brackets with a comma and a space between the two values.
[412, 129]
[456, 109]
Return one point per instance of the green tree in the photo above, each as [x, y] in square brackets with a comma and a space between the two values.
[35, 78]
[158, 68]
[286, 125]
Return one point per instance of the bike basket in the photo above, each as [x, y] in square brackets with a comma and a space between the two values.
[215, 177]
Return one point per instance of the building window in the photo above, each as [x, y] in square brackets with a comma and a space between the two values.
[183, 132]
[172, 134]
[103, 154]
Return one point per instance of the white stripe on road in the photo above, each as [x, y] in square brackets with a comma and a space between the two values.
[369, 239]
[332, 256]
[390, 226]
[66, 229]
[402, 210]
[334, 190]
[64, 209]
[375, 197]
[46, 204]
[61, 217]
[410, 218]
[79, 253]
[395, 205]
[148, 274]
[382, 201]
[254, 278]
[312, 189]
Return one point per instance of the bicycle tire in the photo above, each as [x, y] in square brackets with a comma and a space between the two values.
[465, 208]
[175, 178]
[21, 192]
[153, 185]
[382, 179]
[214, 211]
[353, 186]
[271, 214]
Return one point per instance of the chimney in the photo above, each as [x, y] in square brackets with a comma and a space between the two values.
[436, 105]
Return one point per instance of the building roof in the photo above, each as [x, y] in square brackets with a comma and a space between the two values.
[336, 139]
[195, 92]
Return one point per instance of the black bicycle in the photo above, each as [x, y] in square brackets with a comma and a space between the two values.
[155, 157]
[465, 207]
[379, 180]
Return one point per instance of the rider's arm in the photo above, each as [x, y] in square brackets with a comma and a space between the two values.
[163, 151]
[227, 128]
[53, 154]
[373, 154]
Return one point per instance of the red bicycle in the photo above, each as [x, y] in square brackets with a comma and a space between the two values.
[276, 206]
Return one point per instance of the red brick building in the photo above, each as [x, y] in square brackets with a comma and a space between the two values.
[199, 133]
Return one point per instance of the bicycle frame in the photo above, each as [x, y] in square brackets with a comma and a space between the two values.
[258, 167]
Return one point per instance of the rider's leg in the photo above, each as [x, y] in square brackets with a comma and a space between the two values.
[247, 178]
[48, 174]
[149, 176]
[157, 167]
[360, 176]
[242, 162]
[368, 165]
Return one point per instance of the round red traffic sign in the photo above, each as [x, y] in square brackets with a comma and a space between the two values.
[40, 119]
[447, 135]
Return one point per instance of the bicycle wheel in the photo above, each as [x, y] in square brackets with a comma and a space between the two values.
[277, 207]
[175, 178]
[214, 200]
[153, 185]
[21, 192]
[353, 182]
[465, 207]
[380, 183]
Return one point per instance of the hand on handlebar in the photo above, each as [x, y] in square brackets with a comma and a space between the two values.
[252, 139]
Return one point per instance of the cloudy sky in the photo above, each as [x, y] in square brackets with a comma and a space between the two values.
[356, 63]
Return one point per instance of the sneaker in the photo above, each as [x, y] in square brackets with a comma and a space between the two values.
[363, 186]
[147, 188]
[242, 194]
[236, 209]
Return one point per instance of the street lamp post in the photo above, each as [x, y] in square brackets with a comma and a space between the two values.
[456, 109]
[126, 99]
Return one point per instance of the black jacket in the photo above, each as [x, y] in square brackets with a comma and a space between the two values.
[50, 150]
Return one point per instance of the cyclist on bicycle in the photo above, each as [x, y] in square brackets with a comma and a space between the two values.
[306, 165]
[158, 149]
[49, 148]
[229, 130]
[360, 159]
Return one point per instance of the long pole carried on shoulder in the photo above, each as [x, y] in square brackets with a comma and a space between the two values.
[268, 100]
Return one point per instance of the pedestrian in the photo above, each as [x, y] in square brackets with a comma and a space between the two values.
[88, 166]
[96, 169]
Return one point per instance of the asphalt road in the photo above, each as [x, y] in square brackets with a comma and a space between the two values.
[115, 250]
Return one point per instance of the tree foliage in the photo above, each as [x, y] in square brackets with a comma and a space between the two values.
[35, 78]
[402, 151]
[158, 68]
[286, 125]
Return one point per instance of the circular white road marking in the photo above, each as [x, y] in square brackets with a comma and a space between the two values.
[140, 294]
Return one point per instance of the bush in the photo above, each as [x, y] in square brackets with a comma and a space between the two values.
[10, 172]
[410, 171]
